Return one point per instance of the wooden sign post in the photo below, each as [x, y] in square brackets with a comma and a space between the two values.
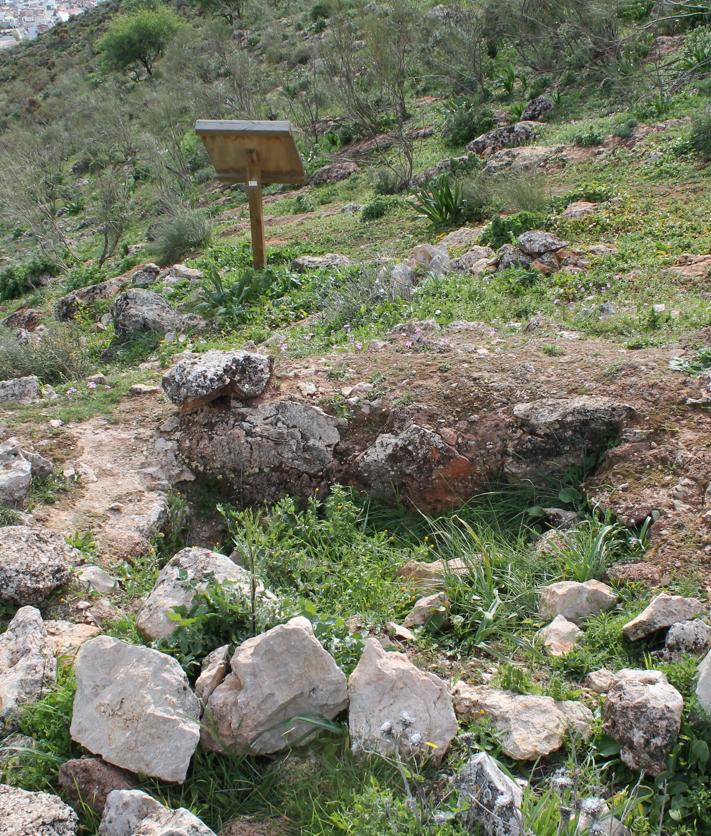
[252, 152]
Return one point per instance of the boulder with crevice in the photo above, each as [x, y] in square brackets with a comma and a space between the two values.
[262, 453]
[662, 612]
[213, 670]
[35, 562]
[27, 664]
[274, 678]
[643, 712]
[529, 727]
[134, 707]
[196, 380]
[135, 813]
[24, 813]
[191, 571]
[396, 707]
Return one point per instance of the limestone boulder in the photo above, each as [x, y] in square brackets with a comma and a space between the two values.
[86, 297]
[507, 136]
[395, 706]
[191, 571]
[576, 601]
[537, 109]
[66, 637]
[431, 606]
[134, 707]
[662, 612]
[35, 562]
[274, 678]
[329, 261]
[491, 799]
[536, 243]
[135, 813]
[88, 782]
[642, 712]
[529, 727]
[416, 463]
[214, 669]
[201, 378]
[145, 276]
[475, 260]
[262, 453]
[96, 579]
[138, 310]
[523, 160]
[15, 474]
[20, 390]
[27, 664]
[560, 636]
[25, 813]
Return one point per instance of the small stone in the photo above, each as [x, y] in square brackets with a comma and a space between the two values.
[600, 681]
[436, 605]
[332, 261]
[20, 390]
[214, 669]
[397, 631]
[560, 636]
[96, 579]
[139, 389]
[135, 813]
[88, 781]
[576, 601]
[661, 613]
[25, 813]
[492, 799]
[536, 243]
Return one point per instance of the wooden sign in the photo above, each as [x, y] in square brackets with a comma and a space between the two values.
[252, 152]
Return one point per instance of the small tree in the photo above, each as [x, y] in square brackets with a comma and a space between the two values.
[138, 40]
[228, 10]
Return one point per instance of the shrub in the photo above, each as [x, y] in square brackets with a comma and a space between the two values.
[696, 56]
[505, 230]
[512, 193]
[377, 208]
[390, 180]
[635, 9]
[588, 138]
[229, 298]
[60, 355]
[446, 202]
[138, 40]
[701, 135]
[181, 233]
[84, 275]
[19, 278]
[465, 120]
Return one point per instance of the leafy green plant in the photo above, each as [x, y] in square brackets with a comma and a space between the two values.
[181, 233]
[83, 275]
[505, 230]
[230, 300]
[589, 138]
[377, 208]
[17, 279]
[137, 40]
[464, 120]
[447, 202]
[699, 363]
[696, 54]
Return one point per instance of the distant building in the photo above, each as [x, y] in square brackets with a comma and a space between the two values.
[24, 19]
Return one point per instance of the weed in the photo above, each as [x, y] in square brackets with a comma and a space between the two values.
[701, 135]
[588, 138]
[61, 355]
[465, 120]
[505, 230]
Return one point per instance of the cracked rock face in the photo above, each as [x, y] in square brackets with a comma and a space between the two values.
[135, 813]
[35, 562]
[284, 448]
[416, 463]
[25, 813]
[643, 713]
[275, 677]
[530, 727]
[554, 433]
[202, 378]
[395, 706]
[27, 664]
[190, 571]
[493, 799]
[134, 707]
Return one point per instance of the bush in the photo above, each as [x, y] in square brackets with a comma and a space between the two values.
[465, 120]
[635, 9]
[138, 40]
[180, 234]
[701, 135]
[17, 279]
[390, 180]
[588, 138]
[84, 275]
[447, 202]
[61, 355]
[505, 230]
[377, 208]
[624, 130]
[696, 56]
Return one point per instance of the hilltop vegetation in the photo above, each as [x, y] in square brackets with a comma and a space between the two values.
[504, 249]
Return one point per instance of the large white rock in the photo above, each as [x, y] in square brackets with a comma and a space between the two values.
[703, 684]
[493, 800]
[201, 378]
[529, 727]
[576, 601]
[395, 706]
[33, 563]
[662, 612]
[275, 677]
[25, 813]
[189, 571]
[560, 636]
[643, 713]
[27, 664]
[135, 813]
[134, 707]
[15, 474]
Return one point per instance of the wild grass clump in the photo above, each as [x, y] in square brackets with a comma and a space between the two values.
[61, 354]
[180, 234]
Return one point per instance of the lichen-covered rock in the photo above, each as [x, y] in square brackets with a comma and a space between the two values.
[529, 727]
[537, 109]
[536, 243]
[139, 310]
[202, 378]
[560, 636]
[643, 713]
[134, 707]
[88, 782]
[135, 813]
[35, 562]
[576, 601]
[491, 799]
[510, 256]
[333, 172]
[190, 571]
[687, 637]
[395, 706]
[333, 261]
[145, 276]
[275, 677]
[68, 306]
[662, 612]
[475, 260]
[520, 160]
[27, 664]
[553, 433]
[25, 813]
[508, 136]
[20, 390]
[417, 464]
[15, 474]
[283, 448]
